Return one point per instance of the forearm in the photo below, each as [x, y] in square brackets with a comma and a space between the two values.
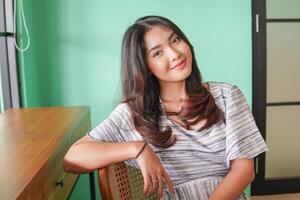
[87, 156]
[234, 182]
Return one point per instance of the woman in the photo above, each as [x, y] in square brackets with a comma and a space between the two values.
[191, 140]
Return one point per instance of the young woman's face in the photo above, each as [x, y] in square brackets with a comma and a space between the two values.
[168, 57]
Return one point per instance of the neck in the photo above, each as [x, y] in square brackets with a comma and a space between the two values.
[173, 91]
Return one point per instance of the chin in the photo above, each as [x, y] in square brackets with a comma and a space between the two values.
[181, 78]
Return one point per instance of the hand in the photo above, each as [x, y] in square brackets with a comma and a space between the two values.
[153, 173]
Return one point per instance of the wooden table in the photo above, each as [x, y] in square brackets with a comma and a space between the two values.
[33, 143]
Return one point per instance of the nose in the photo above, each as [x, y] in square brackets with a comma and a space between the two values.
[174, 54]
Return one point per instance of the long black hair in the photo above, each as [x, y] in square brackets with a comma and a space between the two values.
[141, 90]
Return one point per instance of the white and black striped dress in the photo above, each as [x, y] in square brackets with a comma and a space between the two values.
[199, 160]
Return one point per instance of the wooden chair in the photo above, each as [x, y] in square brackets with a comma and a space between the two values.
[119, 181]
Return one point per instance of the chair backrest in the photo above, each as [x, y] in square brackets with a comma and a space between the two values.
[119, 181]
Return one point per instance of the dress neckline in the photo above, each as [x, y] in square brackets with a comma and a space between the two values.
[177, 125]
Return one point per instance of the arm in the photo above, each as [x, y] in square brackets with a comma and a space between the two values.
[86, 155]
[241, 173]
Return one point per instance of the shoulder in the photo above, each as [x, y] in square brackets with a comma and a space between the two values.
[221, 89]
[120, 117]
[120, 114]
[121, 108]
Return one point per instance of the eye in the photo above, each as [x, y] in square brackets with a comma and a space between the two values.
[176, 39]
[157, 54]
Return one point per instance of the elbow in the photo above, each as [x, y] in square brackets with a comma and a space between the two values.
[67, 166]
[74, 164]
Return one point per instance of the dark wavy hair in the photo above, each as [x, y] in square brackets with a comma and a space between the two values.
[141, 90]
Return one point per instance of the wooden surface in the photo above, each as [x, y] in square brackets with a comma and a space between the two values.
[33, 143]
[291, 196]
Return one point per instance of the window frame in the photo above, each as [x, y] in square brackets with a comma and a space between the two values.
[8, 60]
[262, 185]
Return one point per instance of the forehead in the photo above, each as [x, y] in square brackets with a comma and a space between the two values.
[157, 35]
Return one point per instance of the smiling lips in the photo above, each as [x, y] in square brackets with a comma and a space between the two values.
[179, 65]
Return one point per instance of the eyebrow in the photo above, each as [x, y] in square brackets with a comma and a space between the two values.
[157, 46]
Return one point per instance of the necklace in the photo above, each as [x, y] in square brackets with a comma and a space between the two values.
[173, 105]
[175, 101]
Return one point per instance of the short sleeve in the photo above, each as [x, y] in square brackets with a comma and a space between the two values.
[243, 139]
[116, 128]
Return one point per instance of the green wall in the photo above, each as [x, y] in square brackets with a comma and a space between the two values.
[75, 53]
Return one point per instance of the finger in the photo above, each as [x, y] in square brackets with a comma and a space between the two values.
[154, 185]
[147, 184]
[149, 191]
[168, 181]
[160, 188]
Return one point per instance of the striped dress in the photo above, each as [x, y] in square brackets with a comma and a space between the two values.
[199, 160]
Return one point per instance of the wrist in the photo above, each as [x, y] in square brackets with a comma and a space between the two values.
[141, 151]
[137, 146]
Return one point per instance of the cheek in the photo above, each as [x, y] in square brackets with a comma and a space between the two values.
[187, 50]
[157, 66]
